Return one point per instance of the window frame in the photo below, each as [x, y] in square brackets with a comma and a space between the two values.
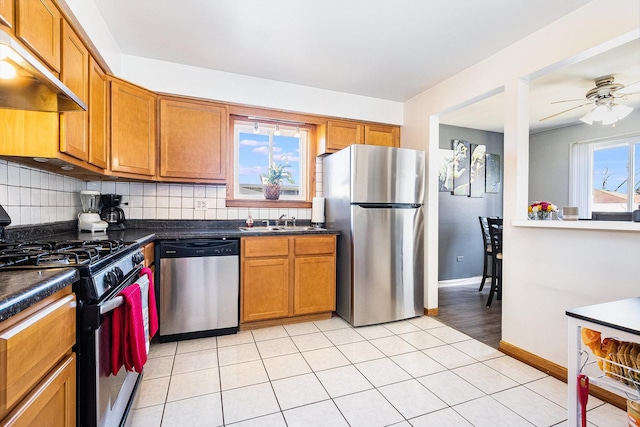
[309, 162]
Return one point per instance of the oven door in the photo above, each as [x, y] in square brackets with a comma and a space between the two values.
[106, 400]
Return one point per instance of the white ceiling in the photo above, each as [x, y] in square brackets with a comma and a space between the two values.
[385, 49]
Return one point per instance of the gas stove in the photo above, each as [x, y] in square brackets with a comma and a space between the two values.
[102, 264]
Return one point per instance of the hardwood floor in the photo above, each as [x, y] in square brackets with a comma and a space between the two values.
[465, 309]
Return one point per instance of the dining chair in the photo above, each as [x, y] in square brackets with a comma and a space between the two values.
[488, 254]
[495, 237]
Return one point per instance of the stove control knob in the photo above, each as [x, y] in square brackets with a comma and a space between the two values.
[119, 274]
[110, 279]
[137, 258]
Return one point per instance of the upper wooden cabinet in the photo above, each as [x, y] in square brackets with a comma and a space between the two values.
[38, 26]
[98, 106]
[343, 134]
[6, 13]
[389, 136]
[193, 140]
[133, 129]
[74, 126]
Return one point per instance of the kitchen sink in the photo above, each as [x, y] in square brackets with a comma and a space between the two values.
[280, 228]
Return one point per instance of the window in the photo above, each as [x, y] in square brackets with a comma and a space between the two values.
[611, 182]
[260, 144]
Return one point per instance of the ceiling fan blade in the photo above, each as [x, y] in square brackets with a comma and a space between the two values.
[568, 100]
[628, 89]
[562, 112]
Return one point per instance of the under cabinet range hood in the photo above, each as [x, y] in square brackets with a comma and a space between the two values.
[26, 84]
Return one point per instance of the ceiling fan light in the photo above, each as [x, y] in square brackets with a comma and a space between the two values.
[600, 112]
[609, 119]
[622, 111]
[587, 118]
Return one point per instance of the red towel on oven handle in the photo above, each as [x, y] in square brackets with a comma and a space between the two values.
[153, 311]
[128, 341]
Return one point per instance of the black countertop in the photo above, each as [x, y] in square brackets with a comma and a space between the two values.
[20, 289]
[622, 315]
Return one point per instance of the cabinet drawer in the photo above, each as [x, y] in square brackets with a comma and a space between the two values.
[29, 349]
[265, 246]
[148, 251]
[314, 245]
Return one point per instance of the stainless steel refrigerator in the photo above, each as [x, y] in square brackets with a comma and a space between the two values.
[374, 197]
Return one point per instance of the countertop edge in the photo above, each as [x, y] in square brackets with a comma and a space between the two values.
[579, 225]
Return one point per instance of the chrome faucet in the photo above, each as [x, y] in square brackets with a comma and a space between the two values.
[292, 220]
[280, 219]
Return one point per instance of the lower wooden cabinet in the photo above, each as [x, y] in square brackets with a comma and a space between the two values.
[287, 276]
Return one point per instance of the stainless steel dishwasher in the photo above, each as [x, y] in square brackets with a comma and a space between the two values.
[199, 288]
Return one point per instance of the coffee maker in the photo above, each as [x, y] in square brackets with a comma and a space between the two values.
[88, 219]
[111, 213]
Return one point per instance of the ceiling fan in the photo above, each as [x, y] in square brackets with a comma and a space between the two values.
[603, 97]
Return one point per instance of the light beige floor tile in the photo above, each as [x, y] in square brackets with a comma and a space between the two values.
[271, 420]
[373, 332]
[322, 414]
[269, 333]
[411, 398]
[607, 415]
[325, 358]
[343, 336]
[286, 366]
[477, 350]
[445, 417]
[556, 391]
[299, 390]
[401, 424]
[195, 361]
[158, 367]
[301, 328]
[448, 334]
[421, 339]
[242, 337]
[425, 322]
[150, 416]
[249, 402]
[201, 411]
[344, 380]
[197, 345]
[238, 354]
[417, 364]
[401, 327]
[311, 341]
[366, 409]
[531, 406]
[192, 384]
[360, 351]
[153, 392]
[331, 324]
[450, 388]
[393, 345]
[160, 350]
[487, 412]
[449, 357]
[514, 369]
[276, 347]
[242, 374]
[382, 372]
[485, 378]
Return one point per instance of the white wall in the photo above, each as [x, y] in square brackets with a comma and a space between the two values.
[546, 271]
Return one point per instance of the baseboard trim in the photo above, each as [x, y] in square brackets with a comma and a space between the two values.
[559, 372]
[431, 311]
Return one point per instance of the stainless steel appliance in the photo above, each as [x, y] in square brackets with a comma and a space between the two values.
[374, 197]
[199, 288]
[105, 267]
[111, 212]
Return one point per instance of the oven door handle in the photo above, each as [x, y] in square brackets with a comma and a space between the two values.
[111, 305]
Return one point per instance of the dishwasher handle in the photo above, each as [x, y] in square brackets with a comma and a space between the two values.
[199, 248]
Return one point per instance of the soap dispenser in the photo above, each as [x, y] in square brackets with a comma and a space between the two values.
[249, 220]
[635, 216]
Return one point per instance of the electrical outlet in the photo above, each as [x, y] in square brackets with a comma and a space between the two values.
[200, 204]
[460, 258]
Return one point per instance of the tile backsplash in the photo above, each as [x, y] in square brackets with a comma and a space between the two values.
[32, 196]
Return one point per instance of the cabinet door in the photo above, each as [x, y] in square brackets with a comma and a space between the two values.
[388, 136]
[315, 284]
[193, 139]
[265, 289]
[133, 129]
[38, 26]
[74, 126]
[97, 115]
[52, 402]
[6, 13]
[343, 134]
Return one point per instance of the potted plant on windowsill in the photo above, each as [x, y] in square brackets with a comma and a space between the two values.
[272, 180]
